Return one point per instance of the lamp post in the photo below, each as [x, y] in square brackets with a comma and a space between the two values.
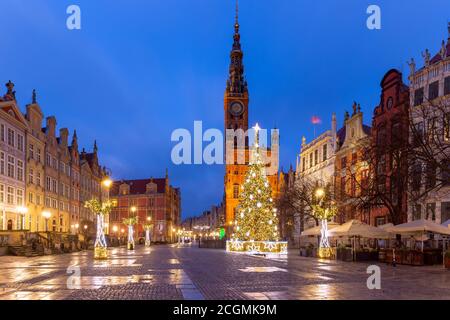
[148, 227]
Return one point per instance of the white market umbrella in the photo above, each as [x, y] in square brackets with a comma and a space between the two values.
[421, 225]
[355, 228]
[316, 231]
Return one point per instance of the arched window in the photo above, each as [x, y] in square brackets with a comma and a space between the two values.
[235, 191]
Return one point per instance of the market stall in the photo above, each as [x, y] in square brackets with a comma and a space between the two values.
[348, 238]
[412, 249]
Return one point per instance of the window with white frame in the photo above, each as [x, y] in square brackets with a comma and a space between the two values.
[11, 166]
[20, 144]
[19, 170]
[31, 176]
[19, 197]
[10, 196]
[47, 202]
[2, 193]
[38, 199]
[48, 159]
[30, 197]
[2, 163]
[31, 151]
[54, 186]
[11, 137]
[38, 154]
[2, 133]
[38, 179]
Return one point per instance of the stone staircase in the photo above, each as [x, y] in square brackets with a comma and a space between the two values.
[26, 250]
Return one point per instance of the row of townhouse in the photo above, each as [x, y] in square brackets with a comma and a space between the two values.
[41, 173]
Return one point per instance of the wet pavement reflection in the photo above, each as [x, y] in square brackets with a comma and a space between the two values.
[186, 272]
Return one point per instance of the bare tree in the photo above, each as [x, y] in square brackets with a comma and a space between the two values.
[297, 201]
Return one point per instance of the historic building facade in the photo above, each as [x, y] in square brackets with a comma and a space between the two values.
[13, 128]
[390, 129]
[35, 166]
[315, 163]
[430, 115]
[351, 171]
[153, 201]
[236, 116]
[41, 172]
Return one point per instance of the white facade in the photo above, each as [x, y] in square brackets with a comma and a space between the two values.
[12, 166]
[316, 159]
[315, 162]
[430, 86]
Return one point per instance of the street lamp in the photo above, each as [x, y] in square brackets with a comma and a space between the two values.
[107, 182]
[115, 228]
[46, 215]
[320, 193]
[133, 209]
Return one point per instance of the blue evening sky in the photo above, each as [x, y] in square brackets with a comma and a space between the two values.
[138, 69]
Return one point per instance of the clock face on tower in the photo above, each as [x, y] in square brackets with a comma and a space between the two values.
[236, 108]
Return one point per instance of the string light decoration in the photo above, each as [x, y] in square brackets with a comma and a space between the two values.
[324, 211]
[130, 222]
[256, 220]
[100, 209]
[147, 228]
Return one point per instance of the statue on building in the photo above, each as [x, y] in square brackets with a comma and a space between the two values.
[443, 51]
[426, 57]
[412, 66]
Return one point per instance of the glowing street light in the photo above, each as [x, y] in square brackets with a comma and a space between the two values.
[133, 209]
[107, 182]
[320, 193]
[115, 228]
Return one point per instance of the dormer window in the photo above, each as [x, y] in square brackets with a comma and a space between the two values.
[151, 187]
[124, 189]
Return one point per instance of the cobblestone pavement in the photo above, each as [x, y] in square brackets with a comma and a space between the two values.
[171, 272]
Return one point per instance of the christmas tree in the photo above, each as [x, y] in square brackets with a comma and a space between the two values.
[256, 218]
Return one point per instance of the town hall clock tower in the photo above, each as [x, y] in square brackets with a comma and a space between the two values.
[236, 112]
[236, 93]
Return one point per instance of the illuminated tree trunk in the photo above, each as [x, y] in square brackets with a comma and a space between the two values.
[147, 238]
[324, 243]
[100, 247]
[130, 237]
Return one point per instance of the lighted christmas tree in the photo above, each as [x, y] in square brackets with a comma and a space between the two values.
[256, 218]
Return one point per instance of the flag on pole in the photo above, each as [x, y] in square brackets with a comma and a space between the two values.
[316, 120]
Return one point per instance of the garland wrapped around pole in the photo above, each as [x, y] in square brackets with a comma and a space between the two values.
[130, 222]
[324, 211]
[100, 209]
[147, 228]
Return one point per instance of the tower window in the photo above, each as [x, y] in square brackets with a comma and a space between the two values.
[235, 191]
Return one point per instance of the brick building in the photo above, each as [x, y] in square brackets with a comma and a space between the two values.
[390, 128]
[152, 198]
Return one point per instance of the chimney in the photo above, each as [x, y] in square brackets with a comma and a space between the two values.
[51, 125]
[64, 135]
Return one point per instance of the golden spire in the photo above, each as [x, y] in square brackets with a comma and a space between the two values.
[236, 24]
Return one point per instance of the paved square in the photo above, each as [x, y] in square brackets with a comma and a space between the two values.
[187, 272]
